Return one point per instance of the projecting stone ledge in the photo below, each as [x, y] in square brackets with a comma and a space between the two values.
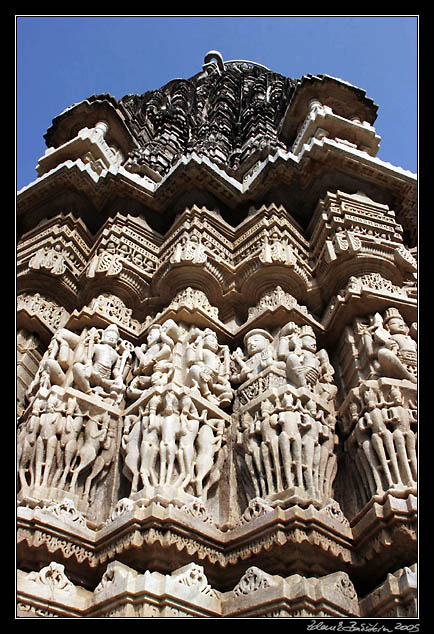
[123, 592]
[151, 535]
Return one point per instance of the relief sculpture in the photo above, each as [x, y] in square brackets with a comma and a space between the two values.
[397, 349]
[388, 346]
[94, 362]
[68, 433]
[169, 447]
[384, 439]
[172, 387]
[103, 369]
[286, 415]
[64, 449]
[174, 437]
[380, 413]
[51, 259]
[208, 371]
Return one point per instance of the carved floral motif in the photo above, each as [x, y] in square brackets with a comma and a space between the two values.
[253, 580]
[52, 576]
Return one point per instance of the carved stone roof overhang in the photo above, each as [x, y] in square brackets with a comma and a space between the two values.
[89, 112]
[341, 168]
[347, 100]
[227, 132]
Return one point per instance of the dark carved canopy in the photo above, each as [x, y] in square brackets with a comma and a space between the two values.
[226, 113]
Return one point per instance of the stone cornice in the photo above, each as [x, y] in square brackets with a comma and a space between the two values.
[195, 171]
[273, 534]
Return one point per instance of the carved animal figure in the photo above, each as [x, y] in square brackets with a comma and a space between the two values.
[93, 438]
[101, 463]
[130, 444]
[207, 446]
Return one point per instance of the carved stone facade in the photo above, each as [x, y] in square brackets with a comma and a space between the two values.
[217, 356]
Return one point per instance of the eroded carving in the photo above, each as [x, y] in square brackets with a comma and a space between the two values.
[286, 414]
[173, 443]
[384, 438]
[51, 258]
[52, 576]
[62, 440]
[253, 580]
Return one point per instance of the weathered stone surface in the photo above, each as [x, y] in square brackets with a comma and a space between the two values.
[122, 592]
[217, 356]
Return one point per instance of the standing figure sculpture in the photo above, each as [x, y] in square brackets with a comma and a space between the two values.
[290, 441]
[170, 426]
[46, 442]
[312, 437]
[26, 445]
[268, 420]
[250, 441]
[130, 444]
[209, 443]
[190, 421]
[68, 443]
[404, 437]
[380, 452]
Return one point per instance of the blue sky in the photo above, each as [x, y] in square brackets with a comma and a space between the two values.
[62, 60]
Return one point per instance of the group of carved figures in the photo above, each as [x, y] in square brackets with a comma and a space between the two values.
[167, 438]
[383, 442]
[168, 443]
[289, 444]
[59, 441]
[162, 404]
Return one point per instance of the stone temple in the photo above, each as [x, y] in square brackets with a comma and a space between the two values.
[217, 356]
